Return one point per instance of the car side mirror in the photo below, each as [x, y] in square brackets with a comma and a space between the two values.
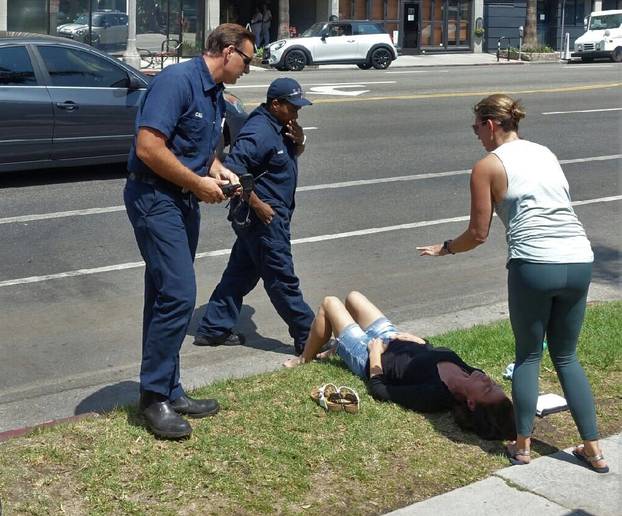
[135, 83]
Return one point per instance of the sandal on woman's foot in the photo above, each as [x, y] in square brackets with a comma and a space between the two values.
[513, 453]
[590, 460]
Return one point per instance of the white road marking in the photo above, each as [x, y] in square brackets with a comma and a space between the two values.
[251, 86]
[327, 186]
[570, 67]
[333, 90]
[307, 240]
[582, 111]
[309, 128]
[419, 71]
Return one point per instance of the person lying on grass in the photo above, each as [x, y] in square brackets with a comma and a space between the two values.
[406, 369]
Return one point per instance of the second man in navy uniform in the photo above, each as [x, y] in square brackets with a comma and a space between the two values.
[267, 146]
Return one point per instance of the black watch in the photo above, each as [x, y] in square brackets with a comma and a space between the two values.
[446, 246]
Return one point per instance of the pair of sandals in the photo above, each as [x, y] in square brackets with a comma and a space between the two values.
[578, 452]
[336, 399]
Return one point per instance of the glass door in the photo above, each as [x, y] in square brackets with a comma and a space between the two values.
[445, 24]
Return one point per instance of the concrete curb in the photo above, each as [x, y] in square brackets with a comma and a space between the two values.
[554, 485]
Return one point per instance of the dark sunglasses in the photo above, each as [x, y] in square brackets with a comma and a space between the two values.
[247, 60]
[476, 126]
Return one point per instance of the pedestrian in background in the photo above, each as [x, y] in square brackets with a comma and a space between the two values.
[266, 25]
[267, 146]
[172, 166]
[257, 26]
[549, 266]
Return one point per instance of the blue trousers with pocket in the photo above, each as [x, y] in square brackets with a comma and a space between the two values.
[549, 299]
[166, 226]
[260, 251]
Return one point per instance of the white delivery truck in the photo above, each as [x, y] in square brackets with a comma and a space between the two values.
[603, 37]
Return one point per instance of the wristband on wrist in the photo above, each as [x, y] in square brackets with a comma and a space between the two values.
[304, 140]
[446, 245]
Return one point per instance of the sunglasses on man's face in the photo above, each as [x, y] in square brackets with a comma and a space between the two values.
[247, 60]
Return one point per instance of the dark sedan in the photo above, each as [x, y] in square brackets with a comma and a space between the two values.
[63, 103]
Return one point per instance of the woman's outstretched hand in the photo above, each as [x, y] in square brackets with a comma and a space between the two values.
[431, 250]
[376, 346]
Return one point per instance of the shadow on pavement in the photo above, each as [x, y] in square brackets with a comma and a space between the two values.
[247, 327]
[110, 397]
[607, 264]
[62, 175]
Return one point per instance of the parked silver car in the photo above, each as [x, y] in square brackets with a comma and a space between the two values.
[109, 29]
[64, 103]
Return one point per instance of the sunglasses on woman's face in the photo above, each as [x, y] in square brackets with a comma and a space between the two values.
[477, 125]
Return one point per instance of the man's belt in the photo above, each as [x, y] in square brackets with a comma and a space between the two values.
[153, 179]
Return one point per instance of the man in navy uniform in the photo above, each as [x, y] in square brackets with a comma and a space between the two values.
[171, 168]
[267, 146]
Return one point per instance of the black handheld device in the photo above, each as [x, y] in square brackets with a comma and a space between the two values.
[230, 189]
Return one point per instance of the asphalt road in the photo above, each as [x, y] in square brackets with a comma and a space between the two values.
[385, 170]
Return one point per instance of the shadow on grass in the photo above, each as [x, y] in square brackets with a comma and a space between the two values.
[248, 328]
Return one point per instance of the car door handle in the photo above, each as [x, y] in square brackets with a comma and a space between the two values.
[351, 41]
[68, 105]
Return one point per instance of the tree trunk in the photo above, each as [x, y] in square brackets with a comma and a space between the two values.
[283, 19]
[531, 25]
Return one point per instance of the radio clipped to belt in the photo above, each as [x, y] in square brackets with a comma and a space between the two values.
[240, 211]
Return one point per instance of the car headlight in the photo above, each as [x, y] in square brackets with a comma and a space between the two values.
[81, 32]
[277, 45]
[578, 46]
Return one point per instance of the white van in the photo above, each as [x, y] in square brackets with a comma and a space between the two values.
[603, 37]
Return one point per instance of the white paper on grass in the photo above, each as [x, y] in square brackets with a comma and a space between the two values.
[550, 403]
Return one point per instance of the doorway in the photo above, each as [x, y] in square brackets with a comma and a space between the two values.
[411, 26]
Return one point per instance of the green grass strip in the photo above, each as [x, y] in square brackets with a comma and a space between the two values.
[273, 450]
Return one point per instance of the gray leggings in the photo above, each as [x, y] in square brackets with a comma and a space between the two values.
[549, 299]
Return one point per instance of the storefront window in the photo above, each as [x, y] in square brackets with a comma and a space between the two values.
[27, 15]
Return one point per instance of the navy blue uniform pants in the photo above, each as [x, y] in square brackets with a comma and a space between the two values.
[166, 226]
[260, 251]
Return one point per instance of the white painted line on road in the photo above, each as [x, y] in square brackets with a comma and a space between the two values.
[224, 252]
[310, 188]
[60, 214]
[365, 83]
[570, 67]
[419, 71]
[582, 111]
[309, 128]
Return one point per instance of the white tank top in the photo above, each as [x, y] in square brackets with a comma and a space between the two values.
[540, 224]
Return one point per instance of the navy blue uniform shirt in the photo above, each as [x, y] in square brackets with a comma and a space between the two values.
[184, 104]
[261, 146]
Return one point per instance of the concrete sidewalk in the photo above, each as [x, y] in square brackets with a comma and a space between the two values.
[403, 61]
[554, 485]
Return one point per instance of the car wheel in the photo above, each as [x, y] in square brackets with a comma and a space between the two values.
[280, 68]
[295, 60]
[364, 66]
[381, 58]
[616, 55]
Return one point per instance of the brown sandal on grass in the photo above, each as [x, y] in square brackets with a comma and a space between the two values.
[335, 399]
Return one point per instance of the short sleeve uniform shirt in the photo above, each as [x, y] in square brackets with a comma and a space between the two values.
[184, 104]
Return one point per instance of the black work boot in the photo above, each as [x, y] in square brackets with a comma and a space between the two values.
[160, 418]
[226, 339]
[194, 408]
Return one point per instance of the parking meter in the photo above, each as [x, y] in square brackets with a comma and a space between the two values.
[521, 31]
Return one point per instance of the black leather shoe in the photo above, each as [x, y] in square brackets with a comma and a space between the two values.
[160, 418]
[226, 339]
[195, 408]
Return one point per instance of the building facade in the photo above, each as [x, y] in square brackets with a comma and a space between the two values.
[417, 26]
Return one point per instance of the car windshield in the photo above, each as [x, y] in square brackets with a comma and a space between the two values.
[607, 21]
[314, 31]
[83, 19]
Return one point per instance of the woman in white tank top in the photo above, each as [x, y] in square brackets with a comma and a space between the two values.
[549, 266]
